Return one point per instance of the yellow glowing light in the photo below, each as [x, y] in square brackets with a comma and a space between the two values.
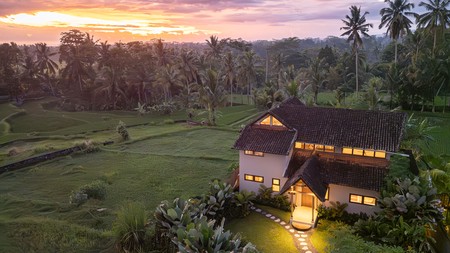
[134, 26]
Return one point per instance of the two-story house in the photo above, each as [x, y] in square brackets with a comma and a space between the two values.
[317, 155]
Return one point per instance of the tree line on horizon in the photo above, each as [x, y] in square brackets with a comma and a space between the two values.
[91, 74]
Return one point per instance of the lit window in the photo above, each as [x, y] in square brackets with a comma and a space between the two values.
[300, 145]
[309, 146]
[368, 152]
[365, 200]
[249, 177]
[276, 122]
[270, 121]
[357, 151]
[320, 147]
[327, 194]
[275, 184]
[254, 178]
[266, 121]
[370, 201]
[329, 148]
[255, 153]
[347, 151]
[380, 154]
[356, 198]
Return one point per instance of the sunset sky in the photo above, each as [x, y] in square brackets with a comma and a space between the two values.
[30, 21]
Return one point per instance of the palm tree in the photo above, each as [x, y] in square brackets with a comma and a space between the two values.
[317, 76]
[355, 26]
[46, 67]
[109, 89]
[215, 46]
[229, 72]
[104, 55]
[212, 94]
[76, 69]
[437, 17]
[395, 19]
[247, 71]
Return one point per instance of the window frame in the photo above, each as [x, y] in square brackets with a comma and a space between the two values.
[254, 153]
[274, 184]
[362, 199]
[254, 178]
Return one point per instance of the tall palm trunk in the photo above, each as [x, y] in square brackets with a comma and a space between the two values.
[356, 64]
[395, 53]
[231, 93]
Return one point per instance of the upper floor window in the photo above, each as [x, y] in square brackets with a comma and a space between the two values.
[364, 152]
[310, 146]
[271, 121]
[255, 153]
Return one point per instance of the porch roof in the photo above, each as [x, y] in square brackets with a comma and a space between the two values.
[318, 173]
[309, 172]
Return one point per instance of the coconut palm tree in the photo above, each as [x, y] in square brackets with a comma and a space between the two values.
[355, 27]
[229, 66]
[395, 19]
[215, 47]
[211, 94]
[109, 89]
[317, 76]
[436, 18]
[46, 67]
[247, 71]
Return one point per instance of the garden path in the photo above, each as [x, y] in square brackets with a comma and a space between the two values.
[301, 238]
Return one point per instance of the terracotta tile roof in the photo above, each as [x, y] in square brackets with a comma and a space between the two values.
[319, 173]
[266, 140]
[343, 127]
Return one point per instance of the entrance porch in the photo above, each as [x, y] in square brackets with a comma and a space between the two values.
[304, 204]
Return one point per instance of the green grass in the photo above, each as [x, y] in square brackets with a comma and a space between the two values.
[159, 162]
[283, 215]
[267, 235]
[189, 144]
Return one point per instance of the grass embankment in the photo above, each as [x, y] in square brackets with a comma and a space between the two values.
[161, 161]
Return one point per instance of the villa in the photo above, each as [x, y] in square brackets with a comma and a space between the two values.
[317, 155]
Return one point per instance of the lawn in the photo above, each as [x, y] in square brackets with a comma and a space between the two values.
[267, 235]
[161, 161]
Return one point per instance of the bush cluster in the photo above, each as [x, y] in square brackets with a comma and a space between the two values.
[265, 197]
[94, 190]
[337, 212]
[123, 131]
[193, 225]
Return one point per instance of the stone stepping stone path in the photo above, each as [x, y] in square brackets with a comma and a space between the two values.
[303, 244]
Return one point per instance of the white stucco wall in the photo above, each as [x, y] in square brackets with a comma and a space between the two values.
[269, 166]
[342, 194]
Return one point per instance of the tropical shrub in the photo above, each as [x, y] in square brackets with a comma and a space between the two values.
[203, 236]
[190, 225]
[130, 228]
[409, 211]
[122, 131]
[265, 197]
[242, 202]
[337, 212]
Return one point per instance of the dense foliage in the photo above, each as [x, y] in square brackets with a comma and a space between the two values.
[196, 225]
